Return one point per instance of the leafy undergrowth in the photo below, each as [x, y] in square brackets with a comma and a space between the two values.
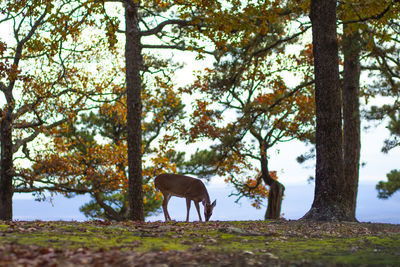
[247, 243]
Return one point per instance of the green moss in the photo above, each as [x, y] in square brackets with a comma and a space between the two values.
[3, 227]
[354, 251]
[152, 243]
[70, 236]
[65, 240]
[278, 239]
[240, 243]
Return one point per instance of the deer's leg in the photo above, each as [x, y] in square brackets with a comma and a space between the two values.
[198, 209]
[187, 208]
[164, 206]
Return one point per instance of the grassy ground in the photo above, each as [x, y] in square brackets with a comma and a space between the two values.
[242, 243]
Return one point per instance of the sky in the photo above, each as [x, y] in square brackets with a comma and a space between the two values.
[297, 199]
[298, 195]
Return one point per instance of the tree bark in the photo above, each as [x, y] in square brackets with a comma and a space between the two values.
[133, 59]
[6, 164]
[275, 197]
[329, 199]
[351, 115]
[276, 190]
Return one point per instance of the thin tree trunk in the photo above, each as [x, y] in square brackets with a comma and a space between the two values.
[276, 190]
[329, 200]
[133, 59]
[275, 200]
[351, 115]
[6, 165]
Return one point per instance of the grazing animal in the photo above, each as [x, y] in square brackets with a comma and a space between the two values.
[186, 187]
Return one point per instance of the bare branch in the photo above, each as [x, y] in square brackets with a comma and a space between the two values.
[21, 142]
[280, 41]
[161, 26]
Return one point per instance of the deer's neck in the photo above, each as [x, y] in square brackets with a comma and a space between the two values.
[206, 199]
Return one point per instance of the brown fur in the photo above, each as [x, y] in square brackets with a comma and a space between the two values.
[186, 187]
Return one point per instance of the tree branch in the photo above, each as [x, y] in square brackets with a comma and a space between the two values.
[280, 41]
[161, 26]
[21, 142]
[373, 17]
[108, 209]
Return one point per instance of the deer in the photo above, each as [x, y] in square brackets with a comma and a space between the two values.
[185, 187]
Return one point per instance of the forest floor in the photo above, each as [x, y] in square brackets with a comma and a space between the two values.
[217, 243]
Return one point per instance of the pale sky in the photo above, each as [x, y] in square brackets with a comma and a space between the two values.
[293, 175]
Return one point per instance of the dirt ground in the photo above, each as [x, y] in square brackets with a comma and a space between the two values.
[235, 243]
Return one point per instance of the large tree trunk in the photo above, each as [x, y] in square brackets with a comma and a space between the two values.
[276, 190]
[133, 59]
[6, 165]
[329, 199]
[351, 115]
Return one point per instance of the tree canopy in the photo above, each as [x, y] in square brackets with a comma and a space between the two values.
[91, 103]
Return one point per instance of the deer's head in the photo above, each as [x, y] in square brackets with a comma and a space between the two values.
[208, 209]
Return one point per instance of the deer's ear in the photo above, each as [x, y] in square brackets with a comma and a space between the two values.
[214, 203]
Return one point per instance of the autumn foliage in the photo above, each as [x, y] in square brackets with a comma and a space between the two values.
[64, 82]
[72, 109]
[244, 103]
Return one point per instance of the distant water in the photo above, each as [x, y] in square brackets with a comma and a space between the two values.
[296, 203]
[25, 208]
